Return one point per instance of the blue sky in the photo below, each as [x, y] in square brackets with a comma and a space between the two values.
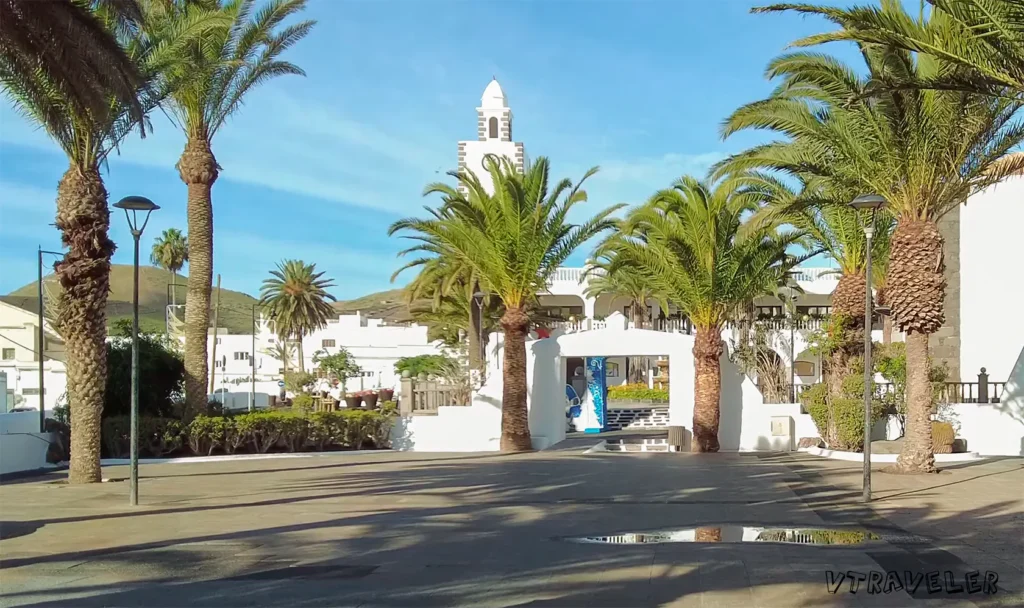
[316, 168]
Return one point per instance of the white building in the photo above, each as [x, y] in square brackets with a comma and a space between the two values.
[19, 359]
[374, 345]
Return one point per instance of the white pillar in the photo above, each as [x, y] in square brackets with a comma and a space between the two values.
[588, 310]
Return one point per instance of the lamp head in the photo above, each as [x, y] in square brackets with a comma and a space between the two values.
[868, 201]
[135, 204]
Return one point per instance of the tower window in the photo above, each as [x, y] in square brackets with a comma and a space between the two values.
[492, 128]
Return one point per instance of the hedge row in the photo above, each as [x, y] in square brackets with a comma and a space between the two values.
[257, 432]
[637, 392]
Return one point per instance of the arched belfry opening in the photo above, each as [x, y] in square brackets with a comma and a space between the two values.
[492, 128]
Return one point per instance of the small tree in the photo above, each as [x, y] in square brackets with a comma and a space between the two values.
[431, 365]
[299, 382]
[340, 364]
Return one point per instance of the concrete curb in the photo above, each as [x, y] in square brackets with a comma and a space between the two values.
[884, 458]
[601, 446]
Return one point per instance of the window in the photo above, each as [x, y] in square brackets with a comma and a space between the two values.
[492, 129]
[217, 365]
[8, 354]
[327, 343]
[218, 340]
[242, 356]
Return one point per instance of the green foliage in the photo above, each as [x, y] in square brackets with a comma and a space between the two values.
[840, 418]
[686, 242]
[207, 433]
[157, 436]
[255, 432]
[637, 392]
[431, 365]
[299, 382]
[161, 374]
[170, 250]
[340, 365]
[302, 401]
[511, 241]
[891, 362]
[295, 297]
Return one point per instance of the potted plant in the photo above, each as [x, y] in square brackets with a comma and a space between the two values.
[370, 399]
[386, 394]
[353, 400]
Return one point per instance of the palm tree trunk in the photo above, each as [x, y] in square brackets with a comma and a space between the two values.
[916, 289]
[174, 283]
[298, 348]
[848, 298]
[515, 424]
[887, 330]
[84, 219]
[707, 389]
[916, 454]
[198, 169]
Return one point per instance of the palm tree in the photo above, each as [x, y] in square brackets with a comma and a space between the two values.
[924, 151]
[283, 351]
[984, 39]
[170, 252]
[686, 242]
[75, 50]
[87, 137]
[513, 240]
[295, 297]
[216, 74]
[623, 281]
[450, 285]
[821, 211]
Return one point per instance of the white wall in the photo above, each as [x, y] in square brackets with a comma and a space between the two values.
[22, 446]
[476, 428]
[992, 280]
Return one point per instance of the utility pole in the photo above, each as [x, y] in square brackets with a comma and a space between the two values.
[213, 349]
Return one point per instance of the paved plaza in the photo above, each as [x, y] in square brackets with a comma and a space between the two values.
[406, 529]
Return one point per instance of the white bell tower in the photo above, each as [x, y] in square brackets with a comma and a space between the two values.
[494, 136]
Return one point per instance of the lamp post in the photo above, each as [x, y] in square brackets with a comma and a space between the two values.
[873, 202]
[135, 204]
[252, 393]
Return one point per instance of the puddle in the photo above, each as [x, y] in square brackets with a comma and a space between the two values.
[738, 534]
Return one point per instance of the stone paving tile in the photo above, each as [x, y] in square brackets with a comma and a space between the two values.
[415, 530]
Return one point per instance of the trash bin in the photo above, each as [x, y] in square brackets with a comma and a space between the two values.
[676, 438]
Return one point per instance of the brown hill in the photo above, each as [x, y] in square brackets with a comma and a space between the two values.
[388, 305]
[235, 307]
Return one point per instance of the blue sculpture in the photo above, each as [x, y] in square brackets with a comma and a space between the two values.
[596, 406]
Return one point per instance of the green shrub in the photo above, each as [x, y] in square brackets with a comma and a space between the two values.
[298, 382]
[257, 432]
[207, 433]
[431, 365]
[157, 436]
[840, 420]
[302, 401]
[637, 392]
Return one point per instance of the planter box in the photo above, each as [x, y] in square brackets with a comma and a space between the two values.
[353, 402]
[370, 401]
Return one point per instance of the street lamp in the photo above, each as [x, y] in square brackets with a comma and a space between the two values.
[790, 294]
[42, 343]
[873, 202]
[135, 204]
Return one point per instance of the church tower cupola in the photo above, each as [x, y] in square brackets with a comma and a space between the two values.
[494, 118]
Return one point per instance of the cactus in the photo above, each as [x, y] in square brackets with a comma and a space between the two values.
[942, 438]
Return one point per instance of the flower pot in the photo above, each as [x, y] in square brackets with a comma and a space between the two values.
[387, 394]
[370, 399]
[353, 401]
